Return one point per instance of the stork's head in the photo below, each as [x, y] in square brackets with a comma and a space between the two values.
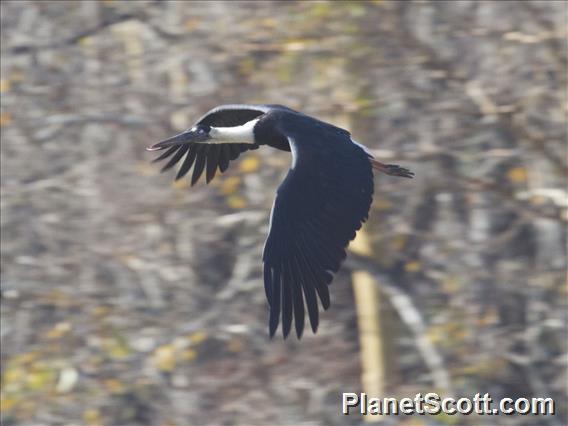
[203, 133]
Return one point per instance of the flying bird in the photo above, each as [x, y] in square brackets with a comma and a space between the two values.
[319, 206]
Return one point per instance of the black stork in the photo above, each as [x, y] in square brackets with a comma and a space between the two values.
[319, 206]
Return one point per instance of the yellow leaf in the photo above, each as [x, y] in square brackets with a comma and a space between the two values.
[59, 330]
[164, 358]
[362, 244]
[435, 335]
[490, 317]
[86, 41]
[25, 358]
[4, 85]
[249, 164]
[198, 337]
[145, 169]
[91, 416]
[230, 185]
[114, 386]
[5, 119]
[235, 345]
[117, 348]
[180, 184]
[413, 266]
[101, 311]
[414, 422]
[399, 241]
[17, 76]
[13, 376]
[7, 402]
[320, 9]
[295, 46]
[188, 355]
[382, 204]
[236, 202]
[269, 22]
[40, 377]
[538, 200]
[517, 174]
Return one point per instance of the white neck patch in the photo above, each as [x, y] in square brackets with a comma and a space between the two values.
[238, 134]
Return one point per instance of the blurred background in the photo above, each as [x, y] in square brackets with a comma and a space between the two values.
[130, 300]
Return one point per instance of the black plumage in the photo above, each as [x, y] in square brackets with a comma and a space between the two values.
[318, 208]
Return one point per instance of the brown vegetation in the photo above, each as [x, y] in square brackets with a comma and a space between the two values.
[128, 300]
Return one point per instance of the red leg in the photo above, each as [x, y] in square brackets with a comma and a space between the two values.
[391, 169]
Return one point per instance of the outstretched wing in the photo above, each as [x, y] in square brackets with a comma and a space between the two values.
[318, 208]
[203, 157]
[209, 158]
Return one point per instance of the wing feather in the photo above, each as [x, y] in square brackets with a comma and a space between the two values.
[298, 299]
[199, 163]
[212, 162]
[314, 279]
[309, 292]
[268, 284]
[166, 154]
[188, 162]
[275, 304]
[286, 302]
[202, 157]
[177, 156]
[224, 158]
[235, 151]
[319, 206]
